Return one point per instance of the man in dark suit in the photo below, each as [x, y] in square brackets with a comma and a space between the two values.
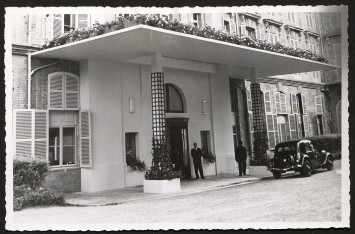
[241, 158]
[196, 154]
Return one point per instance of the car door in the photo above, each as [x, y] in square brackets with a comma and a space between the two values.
[311, 154]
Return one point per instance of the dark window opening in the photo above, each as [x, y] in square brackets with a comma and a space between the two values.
[173, 100]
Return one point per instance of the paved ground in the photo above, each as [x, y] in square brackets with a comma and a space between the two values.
[290, 199]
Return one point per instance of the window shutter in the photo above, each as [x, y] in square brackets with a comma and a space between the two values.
[23, 132]
[325, 124]
[283, 103]
[83, 20]
[233, 28]
[55, 93]
[267, 100]
[31, 133]
[58, 25]
[278, 103]
[304, 105]
[243, 30]
[292, 126]
[259, 35]
[41, 134]
[306, 125]
[272, 130]
[319, 105]
[294, 103]
[249, 101]
[72, 92]
[85, 139]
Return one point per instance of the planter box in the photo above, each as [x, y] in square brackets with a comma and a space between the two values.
[162, 186]
[259, 171]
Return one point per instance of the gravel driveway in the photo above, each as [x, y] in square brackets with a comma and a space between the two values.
[292, 198]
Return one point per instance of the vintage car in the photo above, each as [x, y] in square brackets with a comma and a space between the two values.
[299, 156]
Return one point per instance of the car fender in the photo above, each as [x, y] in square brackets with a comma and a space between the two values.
[327, 156]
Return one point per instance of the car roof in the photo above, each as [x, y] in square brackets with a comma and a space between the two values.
[293, 142]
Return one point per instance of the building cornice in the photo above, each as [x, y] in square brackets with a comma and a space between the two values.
[23, 49]
[268, 21]
[294, 28]
[308, 32]
[253, 16]
[283, 81]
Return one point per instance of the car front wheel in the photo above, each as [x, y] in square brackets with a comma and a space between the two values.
[330, 164]
[306, 169]
[277, 175]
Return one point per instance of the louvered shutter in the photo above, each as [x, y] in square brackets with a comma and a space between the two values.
[283, 103]
[58, 25]
[306, 125]
[278, 103]
[83, 20]
[304, 105]
[272, 130]
[292, 126]
[243, 30]
[55, 93]
[41, 134]
[267, 100]
[294, 103]
[23, 132]
[249, 101]
[319, 105]
[325, 124]
[85, 139]
[299, 125]
[233, 28]
[71, 91]
[31, 133]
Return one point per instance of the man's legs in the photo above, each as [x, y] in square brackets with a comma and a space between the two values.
[196, 168]
[244, 167]
[200, 168]
[240, 165]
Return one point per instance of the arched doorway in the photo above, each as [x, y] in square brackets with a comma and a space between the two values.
[177, 129]
[338, 116]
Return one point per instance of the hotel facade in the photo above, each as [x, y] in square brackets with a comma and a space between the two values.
[84, 105]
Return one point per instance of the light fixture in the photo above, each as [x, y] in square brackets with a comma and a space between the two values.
[204, 107]
[131, 105]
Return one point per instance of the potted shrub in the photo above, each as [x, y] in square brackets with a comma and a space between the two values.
[259, 163]
[209, 157]
[161, 178]
[134, 163]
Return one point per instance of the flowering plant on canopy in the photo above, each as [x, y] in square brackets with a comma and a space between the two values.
[174, 25]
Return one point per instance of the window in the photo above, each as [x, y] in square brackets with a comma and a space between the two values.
[282, 126]
[62, 146]
[313, 48]
[294, 43]
[292, 126]
[337, 54]
[63, 23]
[294, 104]
[226, 26]
[267, 101]
[318, 100]
[173, 100]
[334, 20]
[235, 136]
[251, 32]
[63, 91]
[272, 14]
[250, 118]
[196, 20]
[272, 130]
[131, 146]
[302, 102]
[205, 142]
[291, 17]
[249, 101]
[280, 102]
[273, 38]
[308, 19]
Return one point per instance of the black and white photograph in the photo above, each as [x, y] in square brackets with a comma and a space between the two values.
[148, 118]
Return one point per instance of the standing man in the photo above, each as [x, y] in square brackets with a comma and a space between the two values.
[241, 158]
[196, 154]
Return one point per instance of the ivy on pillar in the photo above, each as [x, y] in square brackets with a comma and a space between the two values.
[261, 145]
[162, 168]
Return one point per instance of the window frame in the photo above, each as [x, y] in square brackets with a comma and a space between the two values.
[167, 99]
[135, 135]
[61, 146]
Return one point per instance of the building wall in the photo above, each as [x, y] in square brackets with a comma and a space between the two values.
[64, 180]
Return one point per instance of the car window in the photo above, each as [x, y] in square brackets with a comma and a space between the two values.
[303, 148]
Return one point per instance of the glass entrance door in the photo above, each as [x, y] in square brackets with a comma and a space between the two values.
[179, 154]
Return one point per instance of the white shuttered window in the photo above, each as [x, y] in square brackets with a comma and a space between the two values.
[292, 126]
[306, 125]
[272, 130]
[85, 139]
[31, 133]
[294, 104]
[319, 105]
[63, 91]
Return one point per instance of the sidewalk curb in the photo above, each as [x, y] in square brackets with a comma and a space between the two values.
[181, 193]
